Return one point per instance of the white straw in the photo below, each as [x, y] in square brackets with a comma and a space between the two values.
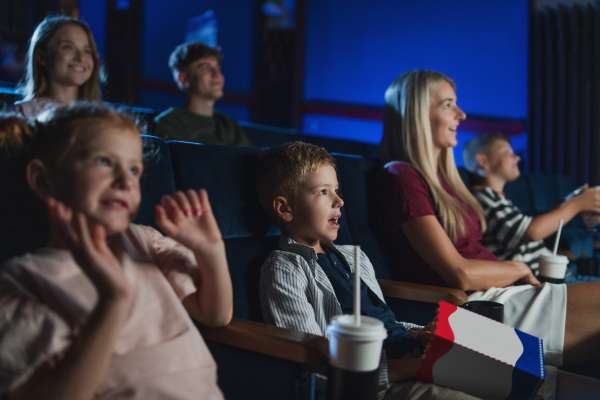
[560, 224]
[356, 285]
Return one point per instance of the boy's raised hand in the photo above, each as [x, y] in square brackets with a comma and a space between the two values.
[590, 200]
[90, 250]
[187, 217]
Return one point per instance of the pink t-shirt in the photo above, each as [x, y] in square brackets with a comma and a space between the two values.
[405, 196]
[45, 298]
[34, 107]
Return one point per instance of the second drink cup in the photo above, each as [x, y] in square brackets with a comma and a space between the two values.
[553, 268]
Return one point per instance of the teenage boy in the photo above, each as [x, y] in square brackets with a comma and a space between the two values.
[196, 69]
[510, 234]
[309, 279]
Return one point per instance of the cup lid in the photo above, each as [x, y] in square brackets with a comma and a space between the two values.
[557, 258]
[369, 329]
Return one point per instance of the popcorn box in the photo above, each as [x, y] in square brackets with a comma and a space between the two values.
[482, 357]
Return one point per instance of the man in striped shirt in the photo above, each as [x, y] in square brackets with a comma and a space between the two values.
[510, 234]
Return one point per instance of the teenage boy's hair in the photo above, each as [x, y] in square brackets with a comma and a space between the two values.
[281, 169]
[187, 53]
[480, 144]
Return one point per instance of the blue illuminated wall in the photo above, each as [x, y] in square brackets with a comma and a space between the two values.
[353, 50]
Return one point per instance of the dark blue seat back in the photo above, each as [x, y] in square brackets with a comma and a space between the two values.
[343, 146]
[268, 136]
[157, 179]
[519, 192]
[227, 173]
[359, 188]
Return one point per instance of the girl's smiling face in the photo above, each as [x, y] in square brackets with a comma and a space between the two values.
[68, 57]
[444, 116]
[101, 177]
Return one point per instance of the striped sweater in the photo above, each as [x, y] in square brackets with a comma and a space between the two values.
[506, 228]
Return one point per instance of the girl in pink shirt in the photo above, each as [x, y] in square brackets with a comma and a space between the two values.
[103, 309]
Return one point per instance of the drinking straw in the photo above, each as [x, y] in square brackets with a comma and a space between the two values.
[560, 224]
[356, 285]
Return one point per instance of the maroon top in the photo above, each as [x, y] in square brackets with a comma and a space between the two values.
[406, 196]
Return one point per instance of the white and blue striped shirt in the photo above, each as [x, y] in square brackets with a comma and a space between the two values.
[506, 229]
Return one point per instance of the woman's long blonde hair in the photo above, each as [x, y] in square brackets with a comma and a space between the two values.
[407, 137]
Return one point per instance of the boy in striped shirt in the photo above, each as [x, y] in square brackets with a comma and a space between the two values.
[510, 234]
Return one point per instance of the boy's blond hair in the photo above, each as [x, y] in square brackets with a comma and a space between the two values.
[282, 169]
[480, 144]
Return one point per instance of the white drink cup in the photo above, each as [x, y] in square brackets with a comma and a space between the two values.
[354, 355]
[354, 347]
[553, 268]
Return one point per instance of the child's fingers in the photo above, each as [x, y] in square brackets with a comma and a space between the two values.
[203, 199]
[183, 202]
[171, 207]
[62, 219]
[204, 202]
[194, 200]
[176, 205]
[163, 221]
[91, 240]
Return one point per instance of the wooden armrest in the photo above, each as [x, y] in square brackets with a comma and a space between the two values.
[271, 340]
[424, 293]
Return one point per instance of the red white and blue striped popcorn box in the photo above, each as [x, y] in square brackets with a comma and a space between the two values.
[482, 357]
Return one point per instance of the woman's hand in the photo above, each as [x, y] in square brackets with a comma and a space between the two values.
[528, 278]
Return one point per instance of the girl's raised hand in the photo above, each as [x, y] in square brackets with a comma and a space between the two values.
[187, 217]
[90, 250]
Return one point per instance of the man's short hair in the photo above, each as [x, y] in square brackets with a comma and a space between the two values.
[282, 169]
[480, 144]
[187, 53]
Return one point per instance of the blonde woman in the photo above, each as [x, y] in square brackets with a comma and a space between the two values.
[434, 226]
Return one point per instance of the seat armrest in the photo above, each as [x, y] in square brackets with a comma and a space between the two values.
[271, 340]
[423, 293]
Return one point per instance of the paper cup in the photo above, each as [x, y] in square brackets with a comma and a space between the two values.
[553, 268]
[355, 347]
